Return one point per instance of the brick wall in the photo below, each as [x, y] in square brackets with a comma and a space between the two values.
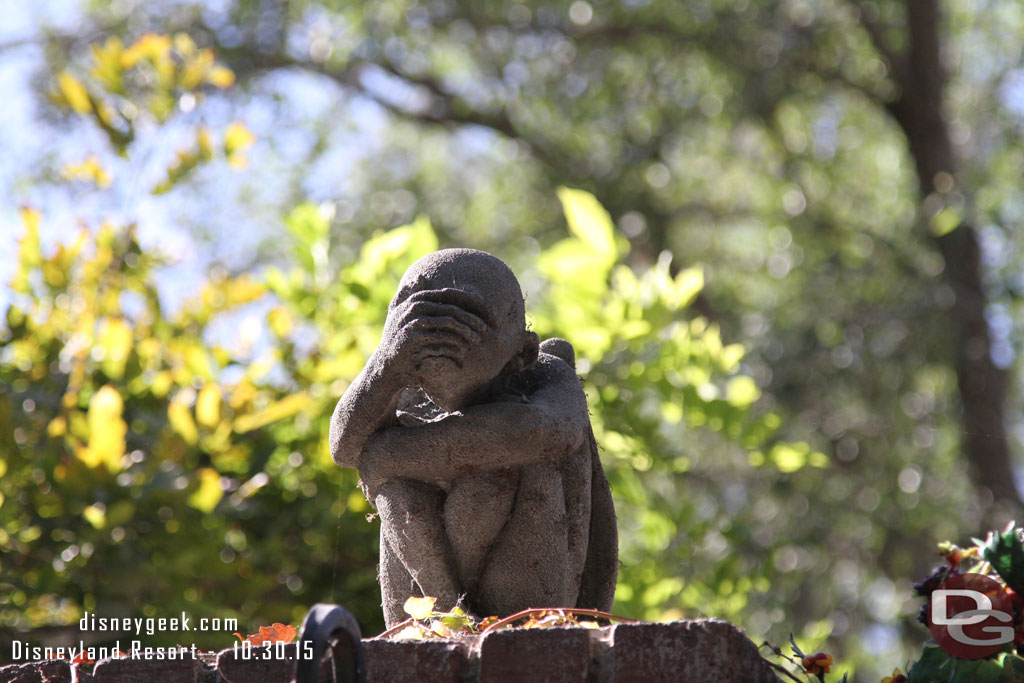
[683, 651]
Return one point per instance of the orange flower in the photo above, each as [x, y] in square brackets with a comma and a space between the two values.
[818, 663]
[897, 677]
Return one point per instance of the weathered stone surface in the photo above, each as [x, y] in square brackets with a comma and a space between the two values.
[681, 651]
[438, 661]
[474, 444]
[240, 665]
[555, 655]
[54, 671]
[687, 652]
[136, 670]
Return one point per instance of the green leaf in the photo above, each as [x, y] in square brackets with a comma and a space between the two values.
[309, 225]
[1006, 555]
[396, 249]
[589, 222]
[946, 221]
[687, 285]
[455, 622]
[741, 391]
[936, 665]
[790, 457]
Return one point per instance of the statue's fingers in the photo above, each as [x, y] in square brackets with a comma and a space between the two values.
[434, 309]
[445, 324]
[443, 349]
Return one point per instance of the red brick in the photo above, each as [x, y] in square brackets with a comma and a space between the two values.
[687, 652]
[555, 655]
[135, 670]
[437, 661]
[258, 665]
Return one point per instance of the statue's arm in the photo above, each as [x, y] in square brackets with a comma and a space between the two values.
[549, 425]
[367, 406]
[413, 329]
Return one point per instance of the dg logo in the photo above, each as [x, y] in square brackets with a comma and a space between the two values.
[971, 616]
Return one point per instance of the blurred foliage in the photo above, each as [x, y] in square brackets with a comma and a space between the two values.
[154, 470]
[745, 146]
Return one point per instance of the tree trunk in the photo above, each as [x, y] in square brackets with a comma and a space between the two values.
[982, 385]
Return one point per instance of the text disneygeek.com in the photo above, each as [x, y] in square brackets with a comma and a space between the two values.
[24, 651]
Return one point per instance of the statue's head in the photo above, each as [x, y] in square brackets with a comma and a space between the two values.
[473, 299]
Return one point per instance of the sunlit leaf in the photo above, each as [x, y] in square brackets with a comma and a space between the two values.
[237, 138]
[419, 608]
[90, 170]
[106, 64]
[946, 221]
[410, 632]
[790, 457]
[96, 515]
[180, 416]
[273, 412]
[220, 77]
[589, 222]
[115, 337]
[106, 430]
[688, 284]
[275, 633]
[74, 93]
[741, 391]
[29, 255]
[208, 405]
[209, 493]
[150, 46]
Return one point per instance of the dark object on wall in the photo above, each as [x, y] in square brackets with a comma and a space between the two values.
[330, 628]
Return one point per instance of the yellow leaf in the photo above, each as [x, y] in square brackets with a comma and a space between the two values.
[220, 77]
[162, 383]
[180, 417]
[58, 427]
[440, 628]
[155, 48]
[115, 336]
[209, 493]
[280, 321]
[106, 430]
[275, 411]
[106, 64]
[96, 515]
[90, 170]
[184, 44]
[29, 254]
[237, 138]
[74, 93]
[208, 405]
[237, 161]
[419, 608]
[410, 632]
[204, 142]
[3, 467]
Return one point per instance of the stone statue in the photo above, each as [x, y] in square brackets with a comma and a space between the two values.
[473, 442]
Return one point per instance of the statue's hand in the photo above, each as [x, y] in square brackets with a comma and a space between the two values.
[423, 334]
